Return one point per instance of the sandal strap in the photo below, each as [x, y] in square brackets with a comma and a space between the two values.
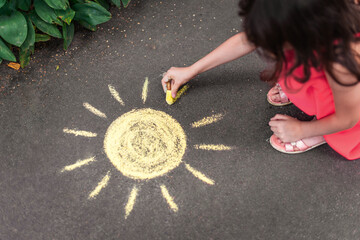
[283, 96]
[300, 146]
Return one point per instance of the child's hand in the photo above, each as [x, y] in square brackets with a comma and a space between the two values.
[286, 128]
[178, 77]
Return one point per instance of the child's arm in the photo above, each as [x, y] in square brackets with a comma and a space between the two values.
[233, 48]
[347, 112]
[347, 106]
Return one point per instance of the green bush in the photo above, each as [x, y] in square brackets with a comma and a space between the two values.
[25, 22]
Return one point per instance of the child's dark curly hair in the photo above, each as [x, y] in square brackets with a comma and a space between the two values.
[321, 32]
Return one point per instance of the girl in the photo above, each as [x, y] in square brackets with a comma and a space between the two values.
[316, 52]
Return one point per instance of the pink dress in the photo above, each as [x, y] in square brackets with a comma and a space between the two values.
[315, 98]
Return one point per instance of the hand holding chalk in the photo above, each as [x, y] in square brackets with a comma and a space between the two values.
[177, 77]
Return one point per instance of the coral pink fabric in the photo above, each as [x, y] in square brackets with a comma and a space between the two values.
[315, 98]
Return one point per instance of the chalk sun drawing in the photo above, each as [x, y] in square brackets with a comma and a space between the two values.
[144, 144]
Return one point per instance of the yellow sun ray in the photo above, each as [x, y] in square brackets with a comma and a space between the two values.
[212, 147]
[78, 164]
[181, 92]
[79, 132]
[95, 111]
[207, 120]
[169, 198]
[199, 175]
[116, 95]
[145, 89]
[131, 201]
[102, 184]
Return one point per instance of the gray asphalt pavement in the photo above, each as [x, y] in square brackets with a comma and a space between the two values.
[255, 193]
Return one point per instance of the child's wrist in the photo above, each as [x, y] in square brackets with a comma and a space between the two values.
[194, 70]
[302, 130]
[305, 129]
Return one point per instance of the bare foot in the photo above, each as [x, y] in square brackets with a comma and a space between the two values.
[274, 94]
[277, 97]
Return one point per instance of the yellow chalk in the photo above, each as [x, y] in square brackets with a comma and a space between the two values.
[207, 120]
[199, 175]
[78, 164]
[169, 198]
[80, 133]
[95, 111]
[116, 95]
[103, 183]
[145, 143]
[209, 147]
[145, 89]
[131, 201]
[169, 99]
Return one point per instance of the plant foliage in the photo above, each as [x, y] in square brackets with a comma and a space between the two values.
[25, 22]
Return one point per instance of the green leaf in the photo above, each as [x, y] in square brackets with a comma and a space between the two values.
[23, 4]
[11, 4]
[42, 37]
[5, 52]
[126, 2]
[88, 26]
[103, 3]
[45, 27]
[72, 2]
[57, 4]
[116, 3]
[91, 13]
[45, 12]
[24, 57]
[66, 15]
[2, 3]
[30, 38]
[68, 34]
[1, 60]
[13, 27]
[27, 48]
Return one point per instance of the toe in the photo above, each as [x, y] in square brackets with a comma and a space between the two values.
[279, 142]
[274, 90]
[276, 141]
[276, 98]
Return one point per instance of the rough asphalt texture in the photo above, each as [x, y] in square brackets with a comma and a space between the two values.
[258, 192]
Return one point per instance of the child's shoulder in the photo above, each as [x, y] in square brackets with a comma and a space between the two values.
[341, 72]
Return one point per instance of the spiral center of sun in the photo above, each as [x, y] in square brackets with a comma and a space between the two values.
[145, 143]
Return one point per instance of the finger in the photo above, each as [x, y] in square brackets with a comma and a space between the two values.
[274, 130]
[163, 84]
[280, 117]
[164, 80]
[174, 89]
[164, 87]
[166, 77]
[274, 123]
[169, 78]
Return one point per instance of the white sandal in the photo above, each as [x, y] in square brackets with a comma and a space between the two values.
[292, 147]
